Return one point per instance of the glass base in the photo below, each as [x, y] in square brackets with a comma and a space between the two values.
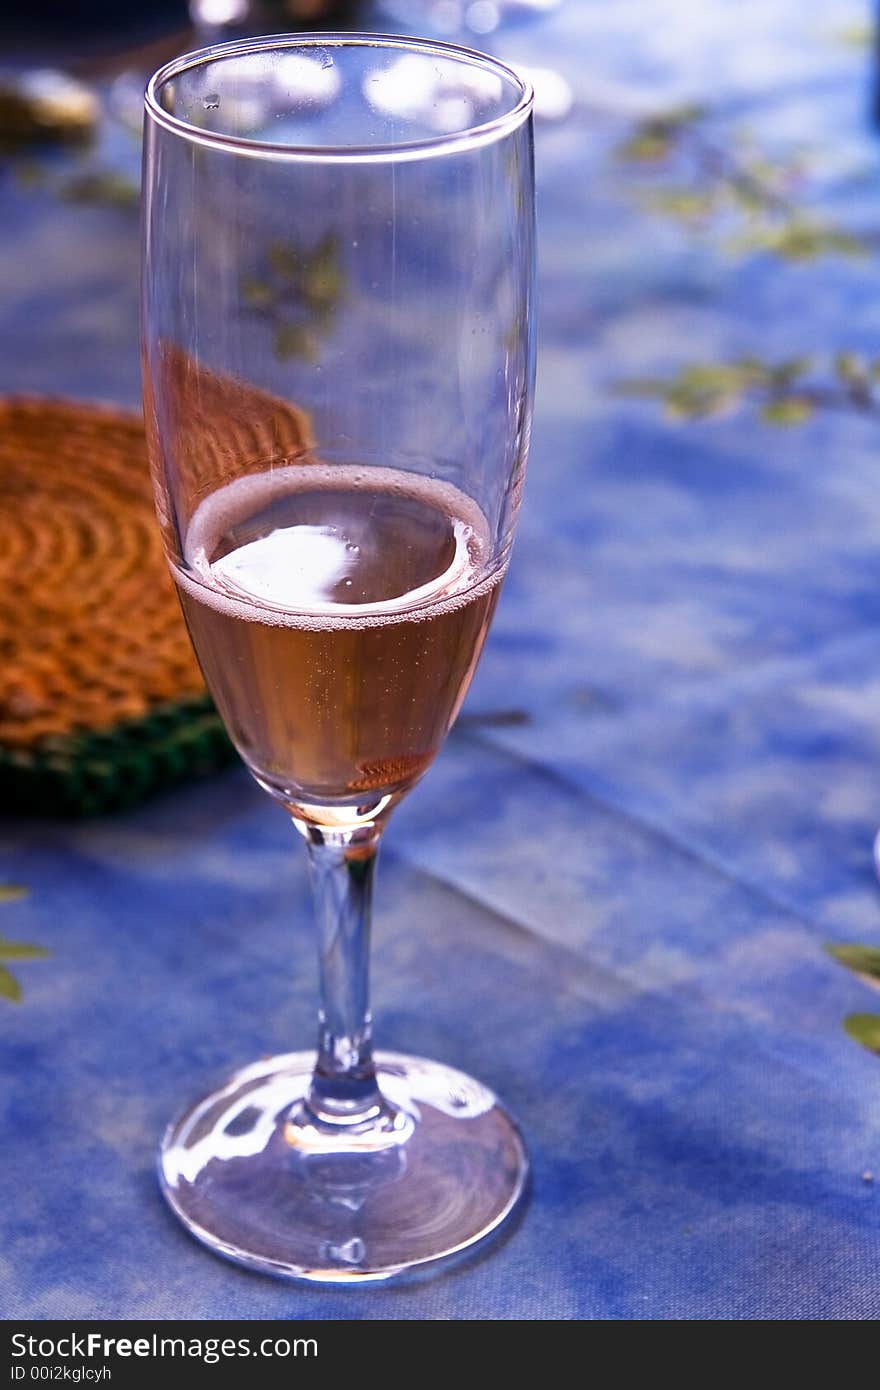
[256, 1183]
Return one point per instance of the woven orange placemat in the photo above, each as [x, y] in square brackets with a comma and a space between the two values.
[101, 699]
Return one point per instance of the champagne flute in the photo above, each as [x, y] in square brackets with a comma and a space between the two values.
[338, 373]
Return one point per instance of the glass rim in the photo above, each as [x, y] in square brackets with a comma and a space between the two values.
[444, 143]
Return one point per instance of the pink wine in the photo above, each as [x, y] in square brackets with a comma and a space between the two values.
[338, 614]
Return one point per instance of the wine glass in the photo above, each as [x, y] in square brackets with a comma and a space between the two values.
[338, 374]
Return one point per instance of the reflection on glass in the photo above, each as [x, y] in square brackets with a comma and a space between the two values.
[468, 20]
[444, 96]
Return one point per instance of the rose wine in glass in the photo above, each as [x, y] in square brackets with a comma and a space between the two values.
[338, 374]
[338, 615]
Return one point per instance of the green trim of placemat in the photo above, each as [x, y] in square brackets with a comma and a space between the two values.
[92, 773]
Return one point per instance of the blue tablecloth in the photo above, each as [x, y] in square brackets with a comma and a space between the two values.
[610, 898]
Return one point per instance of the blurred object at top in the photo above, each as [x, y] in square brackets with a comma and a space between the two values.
[45, 105]
[449, 18]
[217, 20]
[54, 33]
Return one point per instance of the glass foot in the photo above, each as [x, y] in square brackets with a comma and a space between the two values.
[250, 1180]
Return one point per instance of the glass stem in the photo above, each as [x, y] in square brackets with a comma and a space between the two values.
[344, 1090]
